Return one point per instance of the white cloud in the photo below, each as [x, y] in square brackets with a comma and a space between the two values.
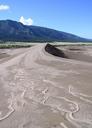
[28, 21]
[4, 7]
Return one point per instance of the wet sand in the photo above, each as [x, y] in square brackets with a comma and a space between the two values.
[38, 89]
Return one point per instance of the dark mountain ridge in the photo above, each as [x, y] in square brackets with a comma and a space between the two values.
[16, 31]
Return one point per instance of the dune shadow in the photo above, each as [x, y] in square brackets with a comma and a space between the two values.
[55, 51]
[75, 53]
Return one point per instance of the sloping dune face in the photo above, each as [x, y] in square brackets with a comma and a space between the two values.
[38, 89]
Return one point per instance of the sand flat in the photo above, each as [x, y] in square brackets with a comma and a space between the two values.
[40, 90]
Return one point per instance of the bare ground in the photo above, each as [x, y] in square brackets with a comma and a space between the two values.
[40, 90]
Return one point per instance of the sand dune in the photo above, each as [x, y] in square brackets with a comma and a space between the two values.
[46, 87]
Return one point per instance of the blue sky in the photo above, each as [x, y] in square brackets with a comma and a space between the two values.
[73, 16]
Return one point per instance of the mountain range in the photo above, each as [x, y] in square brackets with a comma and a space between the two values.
[16, 31]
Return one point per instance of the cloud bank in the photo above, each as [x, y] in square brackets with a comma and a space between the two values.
[4, 7]
[28, 21]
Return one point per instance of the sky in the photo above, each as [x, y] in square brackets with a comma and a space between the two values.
[72, 16]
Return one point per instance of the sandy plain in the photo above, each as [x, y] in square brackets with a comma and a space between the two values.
[40, 90]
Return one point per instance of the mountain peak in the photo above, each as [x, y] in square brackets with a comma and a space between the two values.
[16, 31]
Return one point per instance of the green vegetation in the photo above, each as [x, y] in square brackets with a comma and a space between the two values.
[15, 31]
[7, 45]
[4, 45]
[57, 44]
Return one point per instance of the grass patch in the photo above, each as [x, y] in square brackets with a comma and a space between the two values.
[57, 44]
[4, 46]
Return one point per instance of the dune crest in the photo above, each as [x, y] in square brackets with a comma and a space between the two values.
[43, 87]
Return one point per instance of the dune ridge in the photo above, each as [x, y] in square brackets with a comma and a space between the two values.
[46, 88]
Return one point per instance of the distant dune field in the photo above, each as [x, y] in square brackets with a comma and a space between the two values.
[44, 86]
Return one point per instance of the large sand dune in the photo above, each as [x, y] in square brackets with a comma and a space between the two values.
[44, 87]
